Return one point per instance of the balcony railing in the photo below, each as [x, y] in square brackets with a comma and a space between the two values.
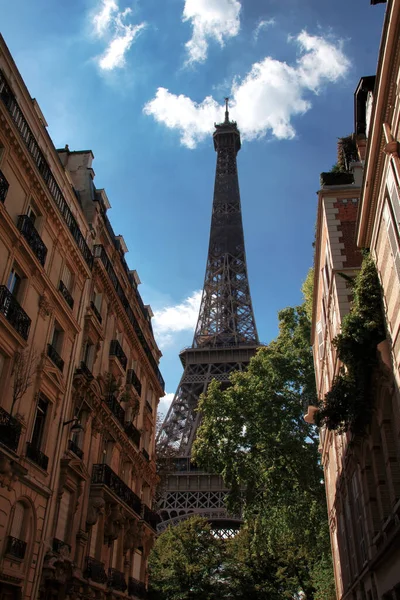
[116, 580]
[84, 369]
[100, 253]
[55, 357]
[66, 294]
[133, 379]
[116, 350]
[28, 230]
[94, 570]
[59, 546]
[3, 187]
[103, 474]
[145, 454]
[95, 311]
[16, 114]
[37, 456]
[133, 433]
[136, 588]
[13, 312]
[150, 517]
[73, 446]
[10, 430]
[115, 408]
[15, 547]
[149, 407]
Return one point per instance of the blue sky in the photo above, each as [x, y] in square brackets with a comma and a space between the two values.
[141, 82]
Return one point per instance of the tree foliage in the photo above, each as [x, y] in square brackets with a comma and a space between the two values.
[254, 435]
[186, 563]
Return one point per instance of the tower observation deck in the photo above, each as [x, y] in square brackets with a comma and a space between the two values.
[224, 341]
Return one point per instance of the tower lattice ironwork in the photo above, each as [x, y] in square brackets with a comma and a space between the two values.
[225, 339]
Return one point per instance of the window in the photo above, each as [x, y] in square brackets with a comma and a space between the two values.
[67, 278]
[19, 531]
[359, 520]
[392, 237]
[18, 520]
[40, 421]
[97, 300]
[32, 214]
[320, 340]
[14, 282]
[126, 474]
[78, 436]
[88, 355]
[108, 452]
[57, 338]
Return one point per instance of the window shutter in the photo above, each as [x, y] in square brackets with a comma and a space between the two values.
[18, 520]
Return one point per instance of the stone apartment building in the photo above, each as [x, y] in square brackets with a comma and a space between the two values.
[79, 377]
[361, 211]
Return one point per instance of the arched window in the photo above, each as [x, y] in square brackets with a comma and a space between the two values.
[19, 531]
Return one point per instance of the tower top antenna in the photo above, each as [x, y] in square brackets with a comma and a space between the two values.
[227, 109]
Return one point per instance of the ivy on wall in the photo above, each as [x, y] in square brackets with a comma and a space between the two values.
[348, 404]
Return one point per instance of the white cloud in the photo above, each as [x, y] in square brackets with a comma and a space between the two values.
[171, 320]
[211, 19]
[103, 18]
[264, 24]
[264, 101]
[114, 55]
[110, 24]
[165, 403]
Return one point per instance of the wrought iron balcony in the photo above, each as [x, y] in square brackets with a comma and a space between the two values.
[28, 230]
[145, 454]
[66, 294]
[149, 407]
[60, 547]
[133, 433]
[136, 588]
[75, 449]
[25, 132]
[116, 580]
[13, 312]
[4, 185]
[133, 379]
[15, 547]
[95, 311]
[116, 350]
[10, 430]
[115, 408]
[150, 517]
[84, 369]
[103, 475]
[94, 570]
[37, 456]
[100, 253]
[55, 357]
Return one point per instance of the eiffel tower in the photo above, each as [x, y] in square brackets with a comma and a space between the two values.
[225, 339]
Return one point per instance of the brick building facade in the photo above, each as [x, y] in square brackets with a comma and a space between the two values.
[362, 473]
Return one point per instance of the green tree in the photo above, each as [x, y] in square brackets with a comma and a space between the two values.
[254, 435]
[186, 563]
